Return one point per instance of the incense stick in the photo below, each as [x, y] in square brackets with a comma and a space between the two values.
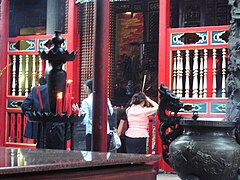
[144, 80]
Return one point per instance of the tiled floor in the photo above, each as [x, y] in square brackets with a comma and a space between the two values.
[164, 176]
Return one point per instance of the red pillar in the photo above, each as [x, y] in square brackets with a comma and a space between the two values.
[73, 38]
[164, 60]
[164, 25]
[4, 17]
[101, 54]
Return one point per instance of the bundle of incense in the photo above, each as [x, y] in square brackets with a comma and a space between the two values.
[144, 80]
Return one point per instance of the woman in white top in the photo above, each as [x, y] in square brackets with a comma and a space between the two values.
[87, 110]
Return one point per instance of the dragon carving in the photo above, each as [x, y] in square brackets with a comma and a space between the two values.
[170, 129]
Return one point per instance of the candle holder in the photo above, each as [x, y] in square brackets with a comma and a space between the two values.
[68, 120]
[56, 83]
[56, 77]
[37, 116]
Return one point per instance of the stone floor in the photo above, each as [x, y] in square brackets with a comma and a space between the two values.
[167, 176]
[171, 176]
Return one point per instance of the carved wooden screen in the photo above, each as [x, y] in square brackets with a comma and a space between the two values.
[136, 48]
[217, 13]
[151, 50]
[112, 64]
[189, 13]
[86, 27]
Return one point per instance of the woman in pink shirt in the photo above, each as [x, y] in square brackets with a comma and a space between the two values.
[137, 114]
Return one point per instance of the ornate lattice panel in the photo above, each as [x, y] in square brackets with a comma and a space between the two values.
[86, 28]
[66, 17]
[136, 48]
[217, 13]
[151, 52]
[86, 13]
[189, 13]
[112, 64]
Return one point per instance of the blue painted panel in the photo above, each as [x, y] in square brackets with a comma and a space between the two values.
[216, 37]
[218, 107]
[203, 38]
[199, 107]
[14, 103]
[176, 39]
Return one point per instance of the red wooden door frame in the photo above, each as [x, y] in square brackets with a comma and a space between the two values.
[4, 24]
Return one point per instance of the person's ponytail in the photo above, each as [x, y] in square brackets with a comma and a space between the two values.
[138, 98]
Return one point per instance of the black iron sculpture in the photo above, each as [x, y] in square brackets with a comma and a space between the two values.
[170, 102]
[197, 149]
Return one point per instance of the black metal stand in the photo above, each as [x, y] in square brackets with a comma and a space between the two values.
[43, 118]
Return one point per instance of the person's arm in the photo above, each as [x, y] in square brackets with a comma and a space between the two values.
[85, 110]
[110, 107]
[151, 110]
[27, 103]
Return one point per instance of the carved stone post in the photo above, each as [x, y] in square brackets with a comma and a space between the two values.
[233, 77]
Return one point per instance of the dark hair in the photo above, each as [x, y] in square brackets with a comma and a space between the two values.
[42, 81]
[89, 84]
[138, 98]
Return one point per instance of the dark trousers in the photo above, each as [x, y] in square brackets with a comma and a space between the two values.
[51, 135]
[89, 142]
[136, 145]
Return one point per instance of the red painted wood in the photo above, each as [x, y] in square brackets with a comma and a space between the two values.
[19, 128]
[20, 145]
[73, 44]
[31, 141]
[164, 68]
[209, 76]
[24, 125]
[27, 37]
[164, 56]
[208, 29]
[158, 139]
[192, 47]
[12, 127]
[13, 110]
[4, 12]
[15, 97]
[70, 35]
[69, 145]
